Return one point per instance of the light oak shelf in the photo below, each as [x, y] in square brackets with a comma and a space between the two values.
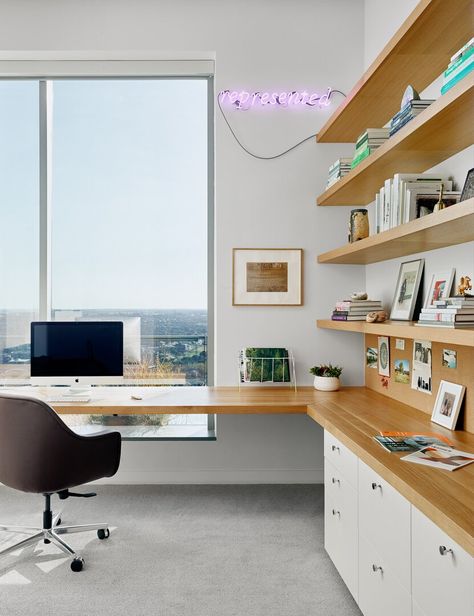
[437, 133]
[417, 53]
[403, 329]
[454, 225]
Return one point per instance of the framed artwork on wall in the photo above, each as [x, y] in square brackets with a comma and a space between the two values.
[448, 404]
[267, 277]
[384, 355]
[468, 188]
[440, 287]
[406, 291]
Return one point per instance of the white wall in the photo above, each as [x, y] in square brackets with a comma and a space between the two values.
[381, 22]
[257, 44]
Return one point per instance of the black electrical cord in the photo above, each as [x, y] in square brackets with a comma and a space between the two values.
[257, 155]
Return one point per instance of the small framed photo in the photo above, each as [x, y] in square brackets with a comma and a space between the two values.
[440, 287]
[406, 291]
[468, 188]
[448, 404]
[384, 355]
[267, 277]
[450, 359]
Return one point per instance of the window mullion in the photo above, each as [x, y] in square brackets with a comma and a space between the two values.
[45, 150]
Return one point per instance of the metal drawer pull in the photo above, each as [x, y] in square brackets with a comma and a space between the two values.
[336, 512]
[376, 485]
[334, 480]
[443, 550]
[335, 448]
[376, 568]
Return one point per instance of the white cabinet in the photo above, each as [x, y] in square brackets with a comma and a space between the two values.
[443, 573]
[340, 525]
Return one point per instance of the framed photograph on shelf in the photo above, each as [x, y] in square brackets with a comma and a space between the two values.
[384, 355]
[468, 188]
[267, 277]
[406, 291]
[448, 404]
[440, 287]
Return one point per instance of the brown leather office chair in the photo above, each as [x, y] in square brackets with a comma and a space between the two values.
[40, 454]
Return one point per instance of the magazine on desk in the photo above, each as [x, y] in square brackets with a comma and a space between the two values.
[440, 457]
[409, 441]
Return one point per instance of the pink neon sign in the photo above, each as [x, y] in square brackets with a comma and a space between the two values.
[244, 100]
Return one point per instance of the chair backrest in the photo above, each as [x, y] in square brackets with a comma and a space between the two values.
[39, 453]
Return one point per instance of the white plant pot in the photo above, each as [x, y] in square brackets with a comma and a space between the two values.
[327, 383]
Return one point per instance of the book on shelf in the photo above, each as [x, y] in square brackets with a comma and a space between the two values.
[410, 441]
[462, 63]
[338, 170]
[354, 310]
[455, 300]
[445, 313]
[407, 113]
[442, 457]
[368, 142]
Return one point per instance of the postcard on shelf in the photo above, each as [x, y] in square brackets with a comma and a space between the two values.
[413, 442]
[440, 457]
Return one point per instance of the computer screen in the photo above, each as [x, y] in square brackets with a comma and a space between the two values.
[74, 349]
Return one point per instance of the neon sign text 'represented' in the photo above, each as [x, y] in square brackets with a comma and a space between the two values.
[243, 100]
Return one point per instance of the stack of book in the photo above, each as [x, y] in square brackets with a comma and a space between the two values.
[454, 312]
[407, 113]
[368, 142]
[338, 170]
[461, 64]
[355, 309]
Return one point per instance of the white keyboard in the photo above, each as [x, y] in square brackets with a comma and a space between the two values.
[59, 398]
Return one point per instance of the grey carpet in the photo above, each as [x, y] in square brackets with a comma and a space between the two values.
[179, 551]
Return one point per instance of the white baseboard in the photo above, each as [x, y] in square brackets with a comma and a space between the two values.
[213, 476]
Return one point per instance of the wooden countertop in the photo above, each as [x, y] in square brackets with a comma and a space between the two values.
[354, 415]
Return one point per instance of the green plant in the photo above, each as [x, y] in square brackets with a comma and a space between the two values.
[326, 370]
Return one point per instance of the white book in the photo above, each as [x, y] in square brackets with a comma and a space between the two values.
[382, 209]
[377, 213]
[398, 195]
[387, 196]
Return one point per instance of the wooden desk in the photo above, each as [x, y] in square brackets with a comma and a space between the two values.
[353, 415]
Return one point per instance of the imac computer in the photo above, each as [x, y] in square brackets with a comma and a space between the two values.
[76, 353]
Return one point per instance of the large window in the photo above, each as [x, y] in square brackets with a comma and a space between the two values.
[127, 174]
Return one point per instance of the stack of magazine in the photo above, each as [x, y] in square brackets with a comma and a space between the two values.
[355, 309]
[368, 142]
[407, 113]
[452, 312]
[338, 170]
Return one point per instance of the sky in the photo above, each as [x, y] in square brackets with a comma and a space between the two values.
[129, 196]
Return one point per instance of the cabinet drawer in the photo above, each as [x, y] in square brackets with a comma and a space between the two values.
[442, 583]
[380, 592]
[340, 526]
[341, 457]
[384, 521]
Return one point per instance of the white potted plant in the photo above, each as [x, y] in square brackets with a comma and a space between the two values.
[326, 377]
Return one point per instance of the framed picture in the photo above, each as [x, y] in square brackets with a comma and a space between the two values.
[440, 287]
[448, 404]
[450, 358]
[406, 292]
[267, 277]
[384, 355]
[468, 188]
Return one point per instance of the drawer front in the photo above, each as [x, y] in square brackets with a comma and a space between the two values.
[340, 526]
[341, 457]
[384, 520]
[442, 583]
[380, 592]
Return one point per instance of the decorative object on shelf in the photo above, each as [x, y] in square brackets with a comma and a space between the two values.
[401, 368]
[371, 357]
[440, 287]
[423, 202]
[421, 372]
[410, 107]
[440, 205]
[464, 286]
[406, 292]
[376, 317]
[468, 188]
[384, 355]
[326, 377]
[267, 277]
[266, 366]
[358, 225]
[359, 295]
[448, 404]
[450, 358]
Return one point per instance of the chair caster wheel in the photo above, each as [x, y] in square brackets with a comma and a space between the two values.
[103, 533]
[59, 521]
[46, 541]
[77, 564]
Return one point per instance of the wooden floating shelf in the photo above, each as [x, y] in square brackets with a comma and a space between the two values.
[454, 225]
[440, 131]
[418, 52]
[403, 329]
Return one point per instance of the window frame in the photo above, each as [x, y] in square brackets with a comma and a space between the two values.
[49, 67]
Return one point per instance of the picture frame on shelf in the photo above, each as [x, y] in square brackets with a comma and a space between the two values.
[448, 404]
[468, 188]
[406, 290]
[267, 277]
[383, 344]
[440, 286]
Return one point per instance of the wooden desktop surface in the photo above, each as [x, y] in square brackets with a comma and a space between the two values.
[353, 414]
